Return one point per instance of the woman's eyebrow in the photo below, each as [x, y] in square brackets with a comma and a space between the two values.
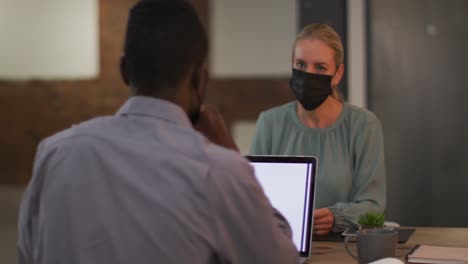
[321, 63]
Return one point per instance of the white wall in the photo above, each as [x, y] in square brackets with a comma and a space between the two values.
[357, 67]
[242, 132]
[49, 39]
[252, 38]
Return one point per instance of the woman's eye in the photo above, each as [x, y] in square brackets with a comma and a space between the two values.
[300, 65]
[321, 68]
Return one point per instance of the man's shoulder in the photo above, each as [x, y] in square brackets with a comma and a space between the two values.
[76, 134]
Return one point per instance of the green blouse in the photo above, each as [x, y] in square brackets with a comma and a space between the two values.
[350, 153]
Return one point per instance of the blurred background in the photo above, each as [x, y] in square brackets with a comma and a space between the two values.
[405, 61]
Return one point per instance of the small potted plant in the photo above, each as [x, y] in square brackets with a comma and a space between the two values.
[371, 220]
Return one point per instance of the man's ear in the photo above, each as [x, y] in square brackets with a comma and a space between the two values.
[123, 70]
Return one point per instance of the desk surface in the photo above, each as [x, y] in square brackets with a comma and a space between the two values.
[334, 252]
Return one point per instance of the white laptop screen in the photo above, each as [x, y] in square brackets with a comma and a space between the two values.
[288, 182]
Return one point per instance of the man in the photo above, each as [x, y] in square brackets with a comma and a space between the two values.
[143, 186]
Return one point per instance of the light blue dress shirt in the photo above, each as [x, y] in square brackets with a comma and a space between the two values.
[143, 186]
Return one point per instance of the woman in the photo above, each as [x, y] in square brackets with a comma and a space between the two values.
[347, 140]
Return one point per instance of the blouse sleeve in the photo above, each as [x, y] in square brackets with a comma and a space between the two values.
[261, 143]
[369, 183]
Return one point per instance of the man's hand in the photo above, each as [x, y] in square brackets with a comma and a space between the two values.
[323, 221]
[212, 125]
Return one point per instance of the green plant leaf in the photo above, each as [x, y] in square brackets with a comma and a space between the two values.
[371, 219]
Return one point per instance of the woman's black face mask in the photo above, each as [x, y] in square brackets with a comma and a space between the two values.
[310, 89]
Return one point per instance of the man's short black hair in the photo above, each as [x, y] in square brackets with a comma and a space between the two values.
[164, 38]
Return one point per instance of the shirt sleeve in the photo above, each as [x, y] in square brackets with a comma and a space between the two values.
[261, 143]
[28, 211]
[248, 229]
[369, 183]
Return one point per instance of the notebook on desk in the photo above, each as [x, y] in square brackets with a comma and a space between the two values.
[438, 255]
[289, 184]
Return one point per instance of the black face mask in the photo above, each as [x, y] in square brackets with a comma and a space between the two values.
[310, 89]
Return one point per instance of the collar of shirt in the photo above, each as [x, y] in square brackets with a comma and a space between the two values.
[156, 108]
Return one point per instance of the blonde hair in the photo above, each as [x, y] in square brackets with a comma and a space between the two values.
[329, 36]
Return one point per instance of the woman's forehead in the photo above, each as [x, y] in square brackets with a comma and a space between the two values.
[313, 50]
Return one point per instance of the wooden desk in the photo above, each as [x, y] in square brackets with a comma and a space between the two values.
[334, 252]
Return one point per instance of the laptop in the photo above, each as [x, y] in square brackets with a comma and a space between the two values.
[289, 184]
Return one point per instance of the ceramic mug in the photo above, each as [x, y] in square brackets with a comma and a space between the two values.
[373, 244]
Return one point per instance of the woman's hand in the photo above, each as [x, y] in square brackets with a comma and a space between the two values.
[212, 125]
[323, 221]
